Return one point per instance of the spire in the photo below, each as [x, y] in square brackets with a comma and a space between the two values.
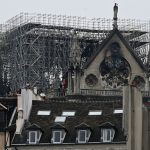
[115, 16]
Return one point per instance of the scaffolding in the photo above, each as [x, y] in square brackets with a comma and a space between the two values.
[35, 48]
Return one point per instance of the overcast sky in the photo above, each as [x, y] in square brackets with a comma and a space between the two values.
[132, 9]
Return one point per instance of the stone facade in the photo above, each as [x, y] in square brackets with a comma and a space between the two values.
[2, 141]
[93, 67]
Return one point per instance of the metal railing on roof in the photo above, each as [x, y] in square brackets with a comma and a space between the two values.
[101, 92]
[109, 92]
[146, 93]
[92, 92]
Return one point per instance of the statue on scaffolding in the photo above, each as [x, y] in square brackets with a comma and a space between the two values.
[74, 68]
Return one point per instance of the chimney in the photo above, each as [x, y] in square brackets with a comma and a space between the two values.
[24, 105]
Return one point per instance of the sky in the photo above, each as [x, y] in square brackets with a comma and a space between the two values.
[128, 9]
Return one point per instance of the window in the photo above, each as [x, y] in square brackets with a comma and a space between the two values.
[44, 112]
[34, 137]
[58, 136]
[91, 80]
[118, 111]
[60, 119]
[68, 113]
[83, 136]
[107, 135]
[95, 112]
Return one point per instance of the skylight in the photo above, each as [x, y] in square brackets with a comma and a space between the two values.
[68, 113]
[44, 112]
[60, 119]
[118, 111]
[95, 112]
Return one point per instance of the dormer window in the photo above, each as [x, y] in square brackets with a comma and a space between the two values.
[107, 132]
[83, 133]
[34, 134]
[34, 137]
[58, 133]
[58, 136]
[83, 136]
[107, 135]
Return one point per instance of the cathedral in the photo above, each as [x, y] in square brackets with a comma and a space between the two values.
[104, 106]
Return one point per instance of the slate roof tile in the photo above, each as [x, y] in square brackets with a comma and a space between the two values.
[82, 108]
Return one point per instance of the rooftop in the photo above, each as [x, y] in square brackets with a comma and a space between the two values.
[81, 108]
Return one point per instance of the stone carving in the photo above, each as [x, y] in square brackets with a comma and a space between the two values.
[138, 82]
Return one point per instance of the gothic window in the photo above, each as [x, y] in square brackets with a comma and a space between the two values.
[91, 80]
[114, 69]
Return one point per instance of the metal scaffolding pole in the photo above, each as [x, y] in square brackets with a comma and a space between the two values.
[35, 48]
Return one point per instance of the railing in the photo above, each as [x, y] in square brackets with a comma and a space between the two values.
[101, 92]
[146, 93]
[58, 93]
[109, 92]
